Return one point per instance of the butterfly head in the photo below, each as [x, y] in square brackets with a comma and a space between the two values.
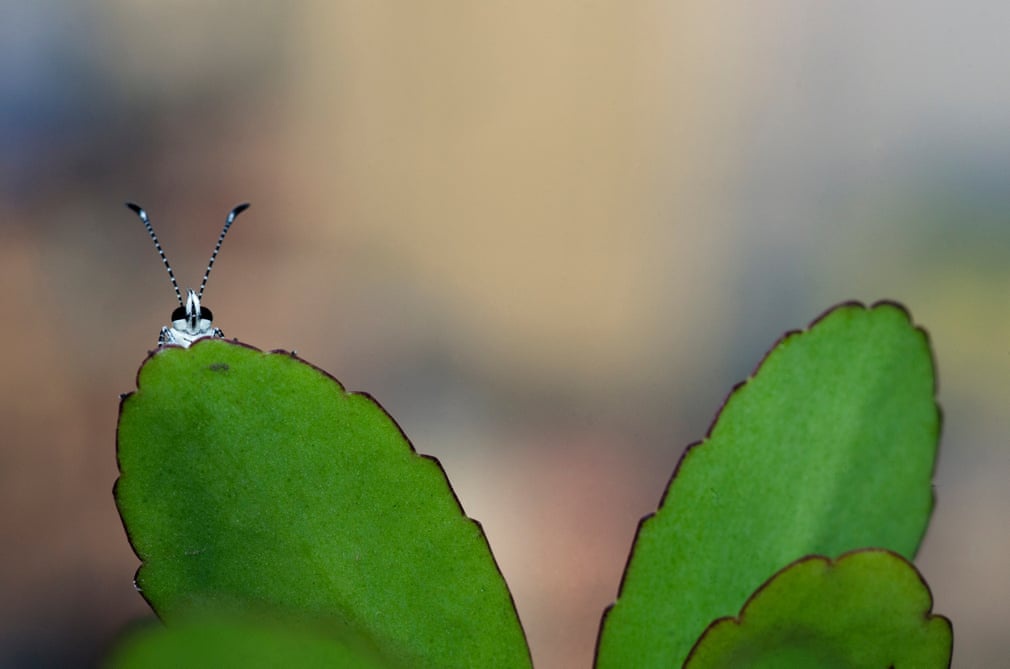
[192, 318]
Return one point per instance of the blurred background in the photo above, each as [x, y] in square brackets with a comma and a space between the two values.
[548, 237]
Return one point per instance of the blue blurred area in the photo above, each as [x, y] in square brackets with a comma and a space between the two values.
[55, 95]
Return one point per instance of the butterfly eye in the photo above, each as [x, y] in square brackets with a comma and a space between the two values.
[180, 314]
[206, 314]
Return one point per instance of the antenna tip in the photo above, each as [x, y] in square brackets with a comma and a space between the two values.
[239, 209]
[133, 206]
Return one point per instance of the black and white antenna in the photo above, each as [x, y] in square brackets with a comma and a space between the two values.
[217, 247]
[139, 211]
[190, 321]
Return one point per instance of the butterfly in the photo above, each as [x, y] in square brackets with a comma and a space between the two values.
[191, 320]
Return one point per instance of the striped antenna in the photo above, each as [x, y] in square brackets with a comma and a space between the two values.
[139, 211]
[213, 256]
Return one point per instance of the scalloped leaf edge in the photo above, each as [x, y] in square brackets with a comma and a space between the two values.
[741, 619]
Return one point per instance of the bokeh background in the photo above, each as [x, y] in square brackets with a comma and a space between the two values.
[547, 236]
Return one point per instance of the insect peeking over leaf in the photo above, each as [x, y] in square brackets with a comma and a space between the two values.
[190, 321]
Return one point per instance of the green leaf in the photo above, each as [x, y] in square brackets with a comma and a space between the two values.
[829, 447]
[252, 481]
[215, 643]
[869, 610]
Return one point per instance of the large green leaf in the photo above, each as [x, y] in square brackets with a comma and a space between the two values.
[252, 481]
[868, 610]
[829, 447]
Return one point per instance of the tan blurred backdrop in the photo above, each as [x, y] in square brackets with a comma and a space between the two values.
[548, 237]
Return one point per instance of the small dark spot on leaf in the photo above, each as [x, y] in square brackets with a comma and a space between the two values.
[219, 367]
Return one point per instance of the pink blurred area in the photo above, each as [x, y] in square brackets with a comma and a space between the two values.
[549, 238]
